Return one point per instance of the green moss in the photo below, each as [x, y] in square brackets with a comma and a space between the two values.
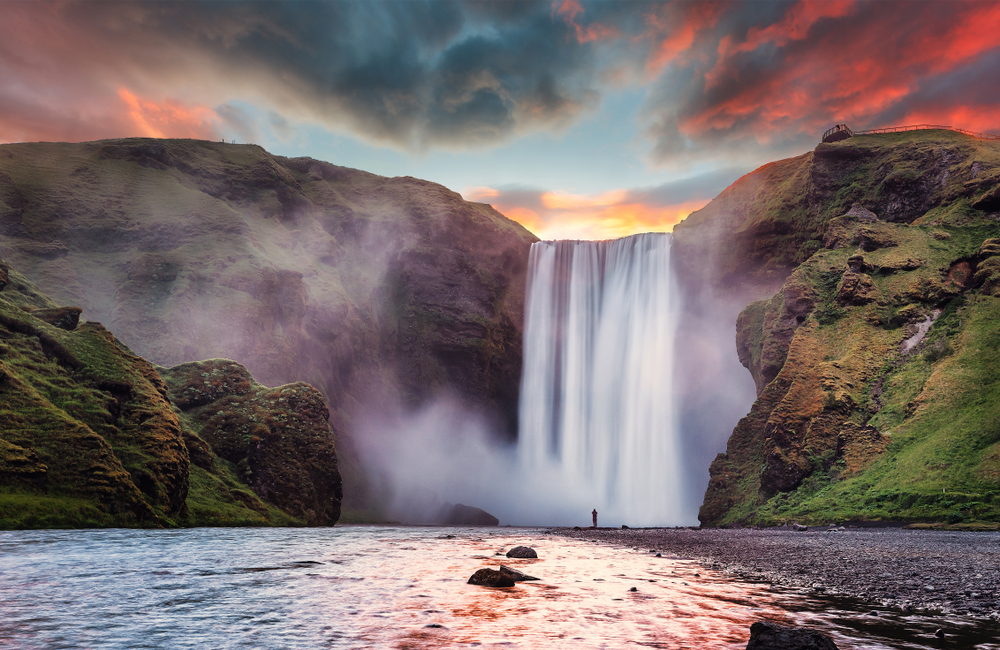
[220, 499]
[20, 510]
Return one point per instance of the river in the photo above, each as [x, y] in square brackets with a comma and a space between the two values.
[395, 587]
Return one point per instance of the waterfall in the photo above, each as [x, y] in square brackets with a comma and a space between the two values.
[597, 400]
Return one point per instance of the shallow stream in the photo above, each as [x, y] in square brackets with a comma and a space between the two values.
[400, 587]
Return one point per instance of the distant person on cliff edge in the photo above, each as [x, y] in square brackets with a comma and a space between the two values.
[594, 513]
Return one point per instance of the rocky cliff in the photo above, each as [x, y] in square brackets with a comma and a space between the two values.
[384, 293]
[91, 435]
[878, 396]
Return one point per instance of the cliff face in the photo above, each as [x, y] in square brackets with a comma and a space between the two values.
[877, 397]
[89, 435]
[382, 292]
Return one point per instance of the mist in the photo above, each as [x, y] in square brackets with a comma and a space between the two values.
[447, 451]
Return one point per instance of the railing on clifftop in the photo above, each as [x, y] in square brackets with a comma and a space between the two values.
[837, 133]
[842, 132]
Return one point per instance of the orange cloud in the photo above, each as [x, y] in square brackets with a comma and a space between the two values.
[479, 193]
[168, 119]
[675, 31]
[568, 10]
[793, 27]
[829, 61]
[970, 118]
[524, 216]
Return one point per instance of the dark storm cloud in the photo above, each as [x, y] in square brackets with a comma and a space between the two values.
[413, 74]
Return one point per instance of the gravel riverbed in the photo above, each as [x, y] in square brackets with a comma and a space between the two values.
[943, 571]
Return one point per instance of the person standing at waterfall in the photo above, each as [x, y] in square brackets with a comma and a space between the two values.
[594, 513]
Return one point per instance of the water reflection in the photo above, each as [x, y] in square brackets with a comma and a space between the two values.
[380, 587]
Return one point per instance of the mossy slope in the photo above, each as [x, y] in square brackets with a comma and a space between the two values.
[89, 437]
[878, 389]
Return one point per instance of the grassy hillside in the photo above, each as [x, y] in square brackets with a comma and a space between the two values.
[875, 362]
[89, 436]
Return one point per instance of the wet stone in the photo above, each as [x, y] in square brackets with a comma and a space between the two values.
[522, 552]
[491, 578]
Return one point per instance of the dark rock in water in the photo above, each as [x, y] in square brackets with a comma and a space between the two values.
[522, 552]
[491, 578]
[463, 515]
[634, 589]
[624, 527]
[516, 575]
[765, 635]
[65, 318]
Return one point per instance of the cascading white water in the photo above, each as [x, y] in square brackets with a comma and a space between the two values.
[596, 406]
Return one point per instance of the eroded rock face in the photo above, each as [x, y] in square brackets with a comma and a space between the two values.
[279, 439]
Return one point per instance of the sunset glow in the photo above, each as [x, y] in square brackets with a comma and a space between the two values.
[560, 215]
[168, 119]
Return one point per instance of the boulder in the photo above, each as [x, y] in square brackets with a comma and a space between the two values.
[491, 578]
[856, 289]
[765, 635]
[862, 213]
[65, 318]
[463, 515]
[516, 575]
[522, 552]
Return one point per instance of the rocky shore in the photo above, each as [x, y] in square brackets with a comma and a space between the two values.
[943, 571]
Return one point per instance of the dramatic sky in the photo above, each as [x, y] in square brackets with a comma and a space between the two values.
[578, 119]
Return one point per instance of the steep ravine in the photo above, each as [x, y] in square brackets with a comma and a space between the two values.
[873, 239]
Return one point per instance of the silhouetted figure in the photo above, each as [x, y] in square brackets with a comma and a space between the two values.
[594, 513]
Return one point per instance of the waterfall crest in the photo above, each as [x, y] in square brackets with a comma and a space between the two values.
[597, 398]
